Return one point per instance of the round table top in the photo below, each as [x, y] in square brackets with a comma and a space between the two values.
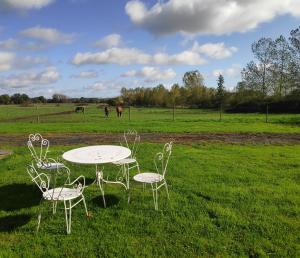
[98, 154]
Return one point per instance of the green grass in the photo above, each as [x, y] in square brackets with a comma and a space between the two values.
[143, 120]
[226, 200]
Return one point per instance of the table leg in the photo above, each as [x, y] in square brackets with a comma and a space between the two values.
[99, 178]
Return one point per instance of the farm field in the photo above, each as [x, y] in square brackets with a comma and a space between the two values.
[226, 200]
[20, 120]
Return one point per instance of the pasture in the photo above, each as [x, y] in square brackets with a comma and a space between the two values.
[226, 200]
[16, 119]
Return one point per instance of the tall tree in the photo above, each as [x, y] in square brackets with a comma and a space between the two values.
[193, 79]
[295, 38]
[220, 88]
[220, 93]
[59, 98]
[264, 51]
[281, 63]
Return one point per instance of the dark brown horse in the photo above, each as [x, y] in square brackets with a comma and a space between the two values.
[119, 110]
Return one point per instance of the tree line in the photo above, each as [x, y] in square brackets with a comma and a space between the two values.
[272, 77]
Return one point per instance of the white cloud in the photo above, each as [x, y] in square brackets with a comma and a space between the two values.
[48, 35]
[127, 56]
[6, 60]
[207, 16]
[30, 79]
[112, 40]
[9, 61]
[233, 71]
[97, 86]
[9, 44]
[151, 74]
[26, 62]
[25, 4]
[214, 50]
[122, 56]
[86, 74]
[107, 88]
[14, 44]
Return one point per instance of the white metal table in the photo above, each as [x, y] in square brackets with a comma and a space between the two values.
[100, 154]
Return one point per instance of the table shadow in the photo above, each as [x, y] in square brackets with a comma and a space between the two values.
[11, 223]
[18, 196]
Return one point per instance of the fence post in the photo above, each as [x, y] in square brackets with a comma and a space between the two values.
[220, 119]
[129, 113]
[37, 112]
[267, 113]
[174, 112]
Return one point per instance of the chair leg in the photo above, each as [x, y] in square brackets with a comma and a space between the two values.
[84, 203]
[68, 216]
[144, 187]
[138, 167]
[155, 196]
[54, 205]
[39, 215]
[39, 222]
[167, 190]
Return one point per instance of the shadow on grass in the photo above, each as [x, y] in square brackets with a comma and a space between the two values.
[11, 223]
[89, 181]
[18, 196]
[110, 200]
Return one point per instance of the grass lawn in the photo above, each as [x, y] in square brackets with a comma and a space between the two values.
[142, 119]
[226, 200]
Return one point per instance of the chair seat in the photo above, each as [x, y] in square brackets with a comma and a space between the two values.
[50, 165]
[60, 194]
[125, 161]
[148, 177]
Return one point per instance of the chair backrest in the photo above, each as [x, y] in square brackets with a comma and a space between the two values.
[131, 140]
[60, 179]
[38, 147]
[40, 179]
[161, 159]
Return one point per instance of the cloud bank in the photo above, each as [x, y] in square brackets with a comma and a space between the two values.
[207, 16]
[24, 4]
[30, 79]
[151, 74]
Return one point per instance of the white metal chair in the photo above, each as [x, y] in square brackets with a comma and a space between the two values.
[157, 179]
[131, 140]
[66, 192]
[39, 148]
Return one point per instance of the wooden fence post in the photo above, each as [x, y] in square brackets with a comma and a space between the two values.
[129, 113]
[174, 112]
[37, 112]
[267, 113]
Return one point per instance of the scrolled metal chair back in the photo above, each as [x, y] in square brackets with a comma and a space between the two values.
[40, 179]
[60, 179]
[38, 147]
[161, 159]
[131, 140]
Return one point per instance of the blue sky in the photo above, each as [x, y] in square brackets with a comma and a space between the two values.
[93, 48]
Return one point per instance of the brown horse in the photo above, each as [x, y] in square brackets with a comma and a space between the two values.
[119, 110]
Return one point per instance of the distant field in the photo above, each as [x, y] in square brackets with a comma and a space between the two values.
[16, 119]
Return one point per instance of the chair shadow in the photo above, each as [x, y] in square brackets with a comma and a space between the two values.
[11, 223]
[89, 181]
[18, 196]
[110, 200]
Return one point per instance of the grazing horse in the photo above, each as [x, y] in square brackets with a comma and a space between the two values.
[119, 110]
[79, 108]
